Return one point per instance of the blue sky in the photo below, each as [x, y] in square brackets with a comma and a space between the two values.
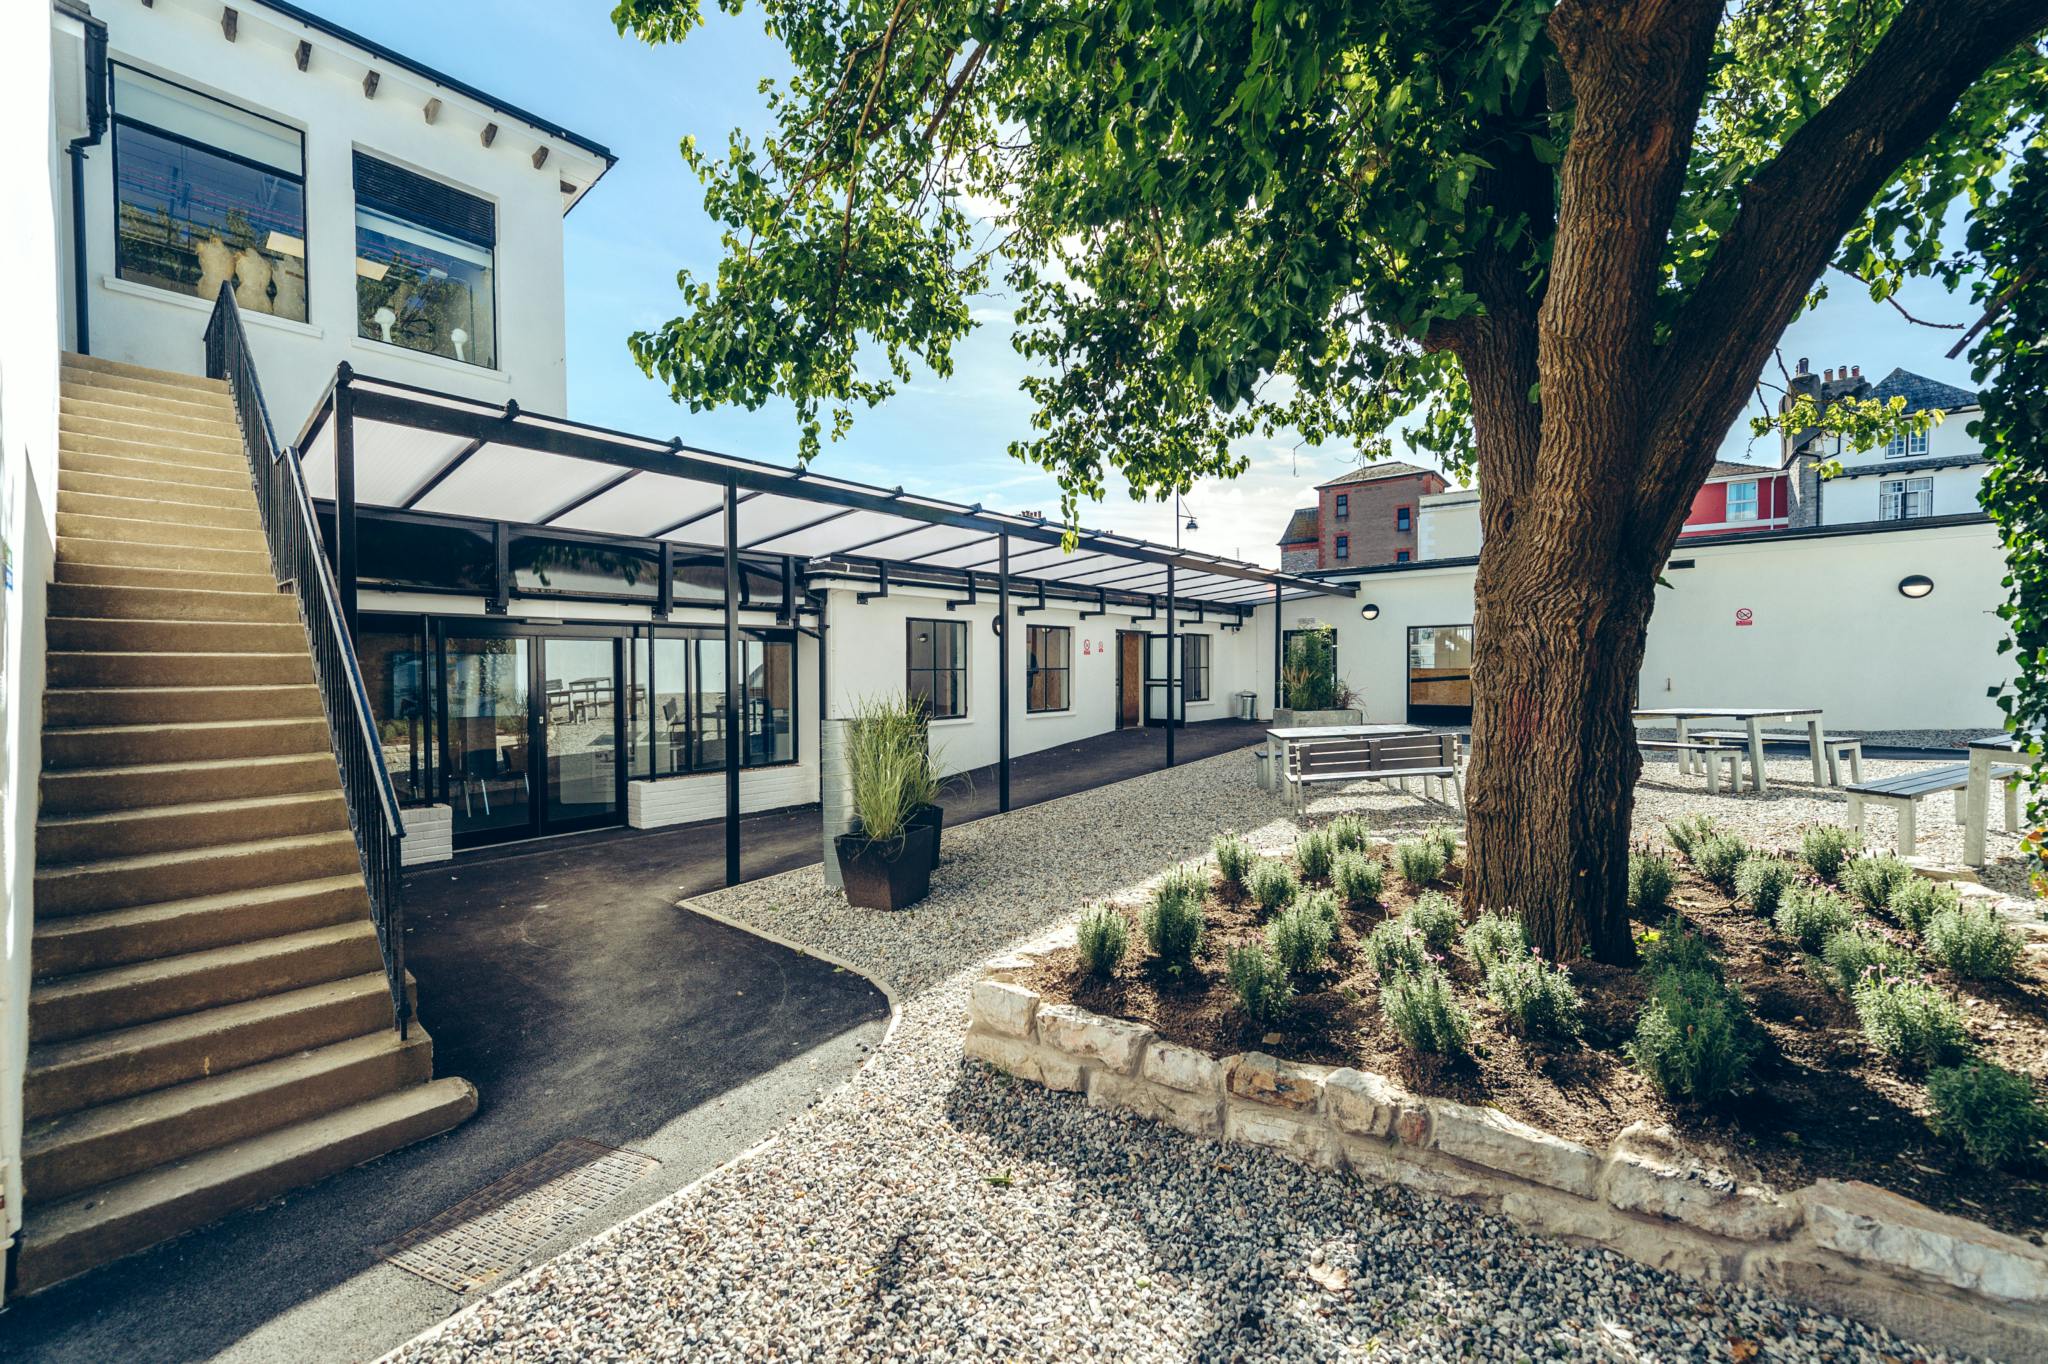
[562, 59]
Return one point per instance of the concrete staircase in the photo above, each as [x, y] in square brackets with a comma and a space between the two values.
[210, 1024]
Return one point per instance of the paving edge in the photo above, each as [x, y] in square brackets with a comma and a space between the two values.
[767, 1143]
[1845, 1247]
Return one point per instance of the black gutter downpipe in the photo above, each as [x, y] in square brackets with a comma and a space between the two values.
[734, 715]
[96, 128]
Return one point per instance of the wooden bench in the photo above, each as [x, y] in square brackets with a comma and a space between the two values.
[1711, 752]
[1392, 757]
[1904, 792]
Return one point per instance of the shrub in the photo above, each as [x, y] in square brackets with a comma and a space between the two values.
[1323, 903]
[1494, 938]
[1445, 840]
[1300, 938]
[1718, 857]
[888, 764]
[1973, 942]
[1810, 915]
[1423, 1013]
[1259, 982]
[1418, 860]
[1858, 952]
[1358, 877]
[1763, 881]
[1873, 879]
[1824, 848]
[1687, 830]
[1919, 900]
[1437, 918]
[1673, 946]
[1314, 851]
[1272, 884]
[1234, 859]
[1650, 879]
[1537, 997]
[1102, 938]
[1911, 1021]
[1694, 1040]
[1184, 882]
[1394, 948]
[1350, 831]
[1993, 1112]
[1173, 922]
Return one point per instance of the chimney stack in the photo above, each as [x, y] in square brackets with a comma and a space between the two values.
[1828, 376]
[1856, 370]
[1803, 369]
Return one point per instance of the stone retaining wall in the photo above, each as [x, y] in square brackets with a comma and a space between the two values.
[1848, 1248]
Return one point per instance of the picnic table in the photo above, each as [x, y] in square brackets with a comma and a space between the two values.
[1753, 718]
[2005, 751]
[1279, 740]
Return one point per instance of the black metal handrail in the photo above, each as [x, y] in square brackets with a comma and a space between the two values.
[297, 557]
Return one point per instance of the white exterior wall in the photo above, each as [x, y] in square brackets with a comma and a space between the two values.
[181, 40]
[1447, 525]
[1852, 496]
[1828, 628]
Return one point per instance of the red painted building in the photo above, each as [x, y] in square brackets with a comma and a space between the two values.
[1739, 499]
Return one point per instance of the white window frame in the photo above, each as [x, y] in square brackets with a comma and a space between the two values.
[1753, 500]
[1904, 499]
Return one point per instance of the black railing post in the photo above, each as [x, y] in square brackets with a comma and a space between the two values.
[345, 496]
[733, 715]
[1003, 674]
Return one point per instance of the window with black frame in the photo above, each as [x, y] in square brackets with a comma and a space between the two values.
[394, 666]
[207, 194]
[937, 671]
[426, 264]
[1194, 667]
[678, 692]
[1048, 660]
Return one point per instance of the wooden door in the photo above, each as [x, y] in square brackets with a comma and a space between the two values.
[1130, 678]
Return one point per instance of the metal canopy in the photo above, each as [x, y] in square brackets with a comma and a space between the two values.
[410, 447]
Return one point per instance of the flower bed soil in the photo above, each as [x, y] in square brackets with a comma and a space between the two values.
[1824, 1105]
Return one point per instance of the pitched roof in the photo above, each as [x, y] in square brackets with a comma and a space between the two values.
[1370, 473]
[1921, 392]
[1725, 468]
[1300, 526]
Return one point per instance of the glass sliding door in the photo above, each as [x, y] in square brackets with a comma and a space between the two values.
[580, 685]
[487, 756]
[1440, 674]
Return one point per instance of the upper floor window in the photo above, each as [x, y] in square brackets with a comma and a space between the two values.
[1400, 556]
[1899, 499]
[938, 667]
[1048, 654]
[1403, 519]
[1907, 443]
[1343, 546]
[1343, 504]
[1742, 501]
[207, 194]
[425, 265]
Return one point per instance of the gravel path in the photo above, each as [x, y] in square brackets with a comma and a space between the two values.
[935, 1210]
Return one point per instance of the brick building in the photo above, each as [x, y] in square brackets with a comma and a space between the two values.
[1371, 515]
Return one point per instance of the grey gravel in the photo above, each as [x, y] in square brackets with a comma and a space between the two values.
[933, 1209]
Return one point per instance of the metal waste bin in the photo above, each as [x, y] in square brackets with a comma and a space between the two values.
[1247, 705]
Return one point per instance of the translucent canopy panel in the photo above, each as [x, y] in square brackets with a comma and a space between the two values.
[439, 453]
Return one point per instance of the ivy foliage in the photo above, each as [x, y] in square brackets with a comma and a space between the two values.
[1213, 218]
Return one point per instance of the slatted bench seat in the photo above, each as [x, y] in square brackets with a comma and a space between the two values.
[1713, 753]
[1392, 757]
[1839, 751]
[1905, 791]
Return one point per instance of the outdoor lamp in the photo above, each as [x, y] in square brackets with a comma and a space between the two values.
[1370, 611]
[1916, 586]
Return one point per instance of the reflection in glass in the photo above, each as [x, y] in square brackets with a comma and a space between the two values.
[1440, 666]
[487, 761]
[582, 731]
[394, 672]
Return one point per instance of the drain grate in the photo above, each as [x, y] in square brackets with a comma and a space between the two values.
[478, 1240]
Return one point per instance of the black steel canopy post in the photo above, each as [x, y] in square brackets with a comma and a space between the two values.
[1003, 675]
[1278, 657]
[733, 716]
[1171, 660]
[345, 496]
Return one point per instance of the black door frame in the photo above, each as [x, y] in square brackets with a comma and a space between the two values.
[1431, 715]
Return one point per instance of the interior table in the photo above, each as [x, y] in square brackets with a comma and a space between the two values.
[1753, 718]
[1994, 754]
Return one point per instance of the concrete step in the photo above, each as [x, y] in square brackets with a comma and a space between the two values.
[121, 369]
[128, 426]
[88, 1071]
[64, 839]
[234, 477]
[145, 486]
[145, 879]
[145, 991]
[136, 530]
[133, 1214]
[181, 388]
[144, 669]
[160, 509]
[192, 741]
[162, 558]
[158, 603]
[143, 784]
[119, 937]
[166, 417]
[65, 1155]
[177, 705]
[72, 572]
[73, 635]
[137, 447]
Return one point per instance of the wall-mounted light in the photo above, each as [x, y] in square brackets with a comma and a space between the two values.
[1369, 611]
[1916, 586]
